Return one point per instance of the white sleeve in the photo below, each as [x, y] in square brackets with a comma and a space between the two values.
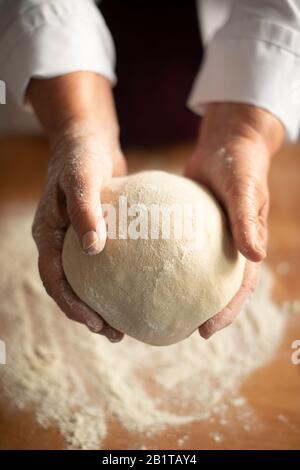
[48, 38]
[254, 58]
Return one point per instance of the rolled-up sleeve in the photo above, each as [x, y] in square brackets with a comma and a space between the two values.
[254, 58]
[48, 38]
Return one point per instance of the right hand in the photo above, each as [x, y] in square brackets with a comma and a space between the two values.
[83, 159]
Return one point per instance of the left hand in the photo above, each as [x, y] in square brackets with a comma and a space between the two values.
[232, 158]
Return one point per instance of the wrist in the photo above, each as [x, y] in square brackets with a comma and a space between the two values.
[228, 124]
[79, 102]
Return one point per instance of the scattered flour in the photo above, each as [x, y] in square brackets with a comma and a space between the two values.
[216, 437]
[182, 440]
[75, 379]
[283, 268]
[291, 307]
[247, 427]
[282, 418]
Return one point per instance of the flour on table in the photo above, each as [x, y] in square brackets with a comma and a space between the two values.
[75, 380]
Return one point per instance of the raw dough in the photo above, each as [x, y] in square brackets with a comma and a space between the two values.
[158, 290]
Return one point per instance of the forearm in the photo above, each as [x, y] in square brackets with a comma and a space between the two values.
[252, 58]
[81, 102]
[52, 38]
[78, 115]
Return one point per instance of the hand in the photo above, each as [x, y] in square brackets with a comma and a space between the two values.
[232, 158]
[85, 153]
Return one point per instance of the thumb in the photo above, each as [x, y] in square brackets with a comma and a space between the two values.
[86, 217]
[247, 204]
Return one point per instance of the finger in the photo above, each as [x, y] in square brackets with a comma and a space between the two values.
[247, 205]
[114, 336]
[56, 285]
[226, 316]
[49, 242]
[85, 213]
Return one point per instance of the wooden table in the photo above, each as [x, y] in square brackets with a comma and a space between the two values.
[273, 391]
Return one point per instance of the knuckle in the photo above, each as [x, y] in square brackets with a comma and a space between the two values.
[76, 182]
[228, 322]
[244, 218]
[249, 288]
[236, 187]
[47, 284]
[246, 186]
[80, 211]
[264, 209]
[68, 314]
[48, 276]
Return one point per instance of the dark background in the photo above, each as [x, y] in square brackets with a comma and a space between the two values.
[158, 51]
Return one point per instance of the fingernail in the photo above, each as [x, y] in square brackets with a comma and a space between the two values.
[91, 243]
[205, 333]
[95, 326]
[101, 232]
[113, 336]
[259, 246]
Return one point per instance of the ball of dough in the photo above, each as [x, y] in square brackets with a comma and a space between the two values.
[158, 290]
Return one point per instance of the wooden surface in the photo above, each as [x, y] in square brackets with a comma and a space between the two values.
[273, 391]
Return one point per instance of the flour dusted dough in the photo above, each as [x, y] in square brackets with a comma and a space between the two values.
[158, 290]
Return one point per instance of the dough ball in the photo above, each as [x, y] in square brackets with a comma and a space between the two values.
[151, 287]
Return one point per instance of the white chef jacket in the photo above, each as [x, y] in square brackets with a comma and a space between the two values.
[252, 50]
